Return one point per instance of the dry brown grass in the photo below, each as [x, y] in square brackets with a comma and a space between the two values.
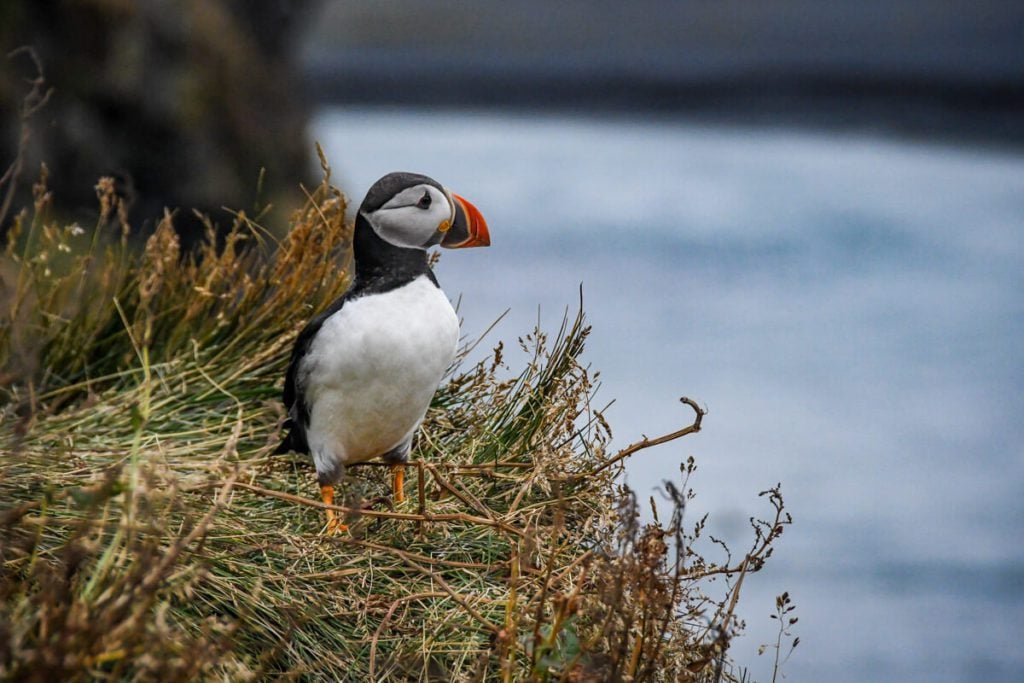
[147, 531]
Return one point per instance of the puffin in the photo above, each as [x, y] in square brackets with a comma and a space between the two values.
[363, 372]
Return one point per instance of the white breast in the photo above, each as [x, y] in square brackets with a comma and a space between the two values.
[372, 370]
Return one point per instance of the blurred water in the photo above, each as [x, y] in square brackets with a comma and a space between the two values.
[850, 309]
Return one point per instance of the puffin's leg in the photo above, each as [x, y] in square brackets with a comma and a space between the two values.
[333, 525]
[397, 482]
[397, 457]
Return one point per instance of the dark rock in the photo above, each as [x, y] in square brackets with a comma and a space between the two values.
[183, 102]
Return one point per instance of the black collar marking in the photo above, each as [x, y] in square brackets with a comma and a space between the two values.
[382, 266]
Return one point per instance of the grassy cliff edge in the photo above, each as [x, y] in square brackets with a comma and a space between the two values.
[146, 531]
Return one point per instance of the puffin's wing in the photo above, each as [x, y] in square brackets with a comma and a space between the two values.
[295, 391]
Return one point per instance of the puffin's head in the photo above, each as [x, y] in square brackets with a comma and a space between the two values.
[413, 211]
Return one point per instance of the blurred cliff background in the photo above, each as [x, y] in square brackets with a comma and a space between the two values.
[921, 66]
[182, 102]
[186, 101]
[808, 215]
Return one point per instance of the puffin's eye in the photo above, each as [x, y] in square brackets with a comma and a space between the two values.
[424, 202]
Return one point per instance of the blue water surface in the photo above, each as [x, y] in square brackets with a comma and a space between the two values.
[849, 308]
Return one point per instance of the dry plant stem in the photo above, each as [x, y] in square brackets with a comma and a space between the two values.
[561, 576]
[34, 100]
[538, 619]
[454, 595]
[336, 574]
[454, 517]
[729, 612]
[454, 468]
[508, 639]
[387, 617]
[678, 572]
[565, 610]
[464, 496]
[735, 595]
[648, 443]
[552, 581]
[526, 486]
[634, 656]
[406, 555]
[756, 556]
[421, 496]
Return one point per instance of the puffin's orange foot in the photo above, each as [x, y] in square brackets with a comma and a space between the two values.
[397, 482]
[334, 526]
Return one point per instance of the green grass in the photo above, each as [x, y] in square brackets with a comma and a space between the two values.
[146, 530]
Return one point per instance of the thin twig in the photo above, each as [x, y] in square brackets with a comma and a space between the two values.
[465, 496]
[455, 595]
[648, 443]
[34, 100]
[451, 517]
[387, 618]
[416, 557]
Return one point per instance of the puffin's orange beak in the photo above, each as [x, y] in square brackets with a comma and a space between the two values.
[469, 229]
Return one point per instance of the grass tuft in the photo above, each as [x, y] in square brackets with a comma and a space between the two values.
[146, 531]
